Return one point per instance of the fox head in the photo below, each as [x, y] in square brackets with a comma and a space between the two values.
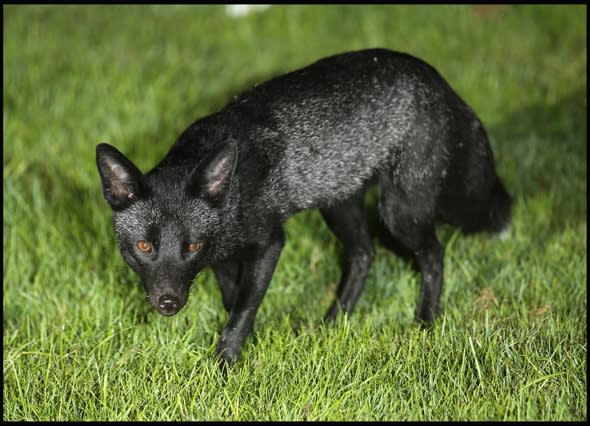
[167, 222]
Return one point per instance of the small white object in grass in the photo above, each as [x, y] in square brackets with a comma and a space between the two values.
[505, 233]
[237, 10]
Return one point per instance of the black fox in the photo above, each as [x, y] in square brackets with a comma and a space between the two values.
[315, 137]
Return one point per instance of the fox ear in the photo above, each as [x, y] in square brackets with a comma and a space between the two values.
[212, 177]
[122, 182]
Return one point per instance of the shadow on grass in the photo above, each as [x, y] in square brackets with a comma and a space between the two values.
[541, 153]
[527, 132]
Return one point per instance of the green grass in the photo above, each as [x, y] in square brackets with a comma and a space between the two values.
[80, 341]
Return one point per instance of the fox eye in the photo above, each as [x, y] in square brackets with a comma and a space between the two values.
[144, 246]
[194, 247]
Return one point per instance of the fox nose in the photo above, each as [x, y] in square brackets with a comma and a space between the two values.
[168, 304]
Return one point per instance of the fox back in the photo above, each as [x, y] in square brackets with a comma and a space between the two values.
[313, 138]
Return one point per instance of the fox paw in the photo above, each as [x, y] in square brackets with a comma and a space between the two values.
[227, 356]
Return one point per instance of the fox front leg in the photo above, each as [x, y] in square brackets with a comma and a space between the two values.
[228, 278]
[255, 277]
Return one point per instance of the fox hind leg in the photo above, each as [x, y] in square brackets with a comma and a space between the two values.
[410, 219]
[347, 222]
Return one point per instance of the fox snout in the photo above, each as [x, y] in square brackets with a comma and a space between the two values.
[167, 301]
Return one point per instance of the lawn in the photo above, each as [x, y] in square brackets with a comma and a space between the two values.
[81, 343]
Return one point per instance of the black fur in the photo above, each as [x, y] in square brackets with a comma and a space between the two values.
[316, 137]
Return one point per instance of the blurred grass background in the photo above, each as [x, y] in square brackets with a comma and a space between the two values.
[81, 343]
